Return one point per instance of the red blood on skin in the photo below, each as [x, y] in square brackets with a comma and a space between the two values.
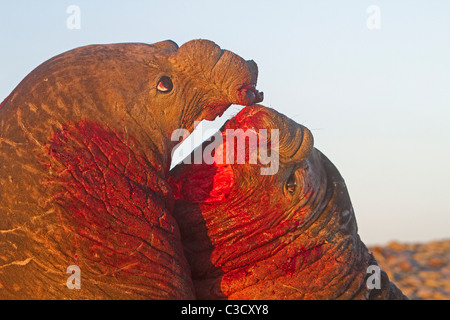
[206, 184]
[114, 201]
[295, 257]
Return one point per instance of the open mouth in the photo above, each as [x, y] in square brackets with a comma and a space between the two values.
[294, 146]
[211, 124]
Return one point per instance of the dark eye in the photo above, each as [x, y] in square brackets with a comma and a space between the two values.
[291, 184]
[165, 84]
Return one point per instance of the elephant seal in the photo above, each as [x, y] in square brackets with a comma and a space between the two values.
[291, 234]
[85, 208]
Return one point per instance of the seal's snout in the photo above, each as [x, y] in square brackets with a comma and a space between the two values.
[248, 95]
[259, 96]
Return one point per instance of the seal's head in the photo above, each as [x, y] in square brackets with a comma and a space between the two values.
[285, 233]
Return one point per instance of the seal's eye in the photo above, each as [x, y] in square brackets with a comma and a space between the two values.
[291, 184]
[165, 84]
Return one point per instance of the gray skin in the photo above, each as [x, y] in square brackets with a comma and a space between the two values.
[288, 235]
[85, 150]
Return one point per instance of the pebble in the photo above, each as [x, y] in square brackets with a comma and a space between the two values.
[420, 270]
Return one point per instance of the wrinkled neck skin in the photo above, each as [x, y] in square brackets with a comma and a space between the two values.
[308, 249]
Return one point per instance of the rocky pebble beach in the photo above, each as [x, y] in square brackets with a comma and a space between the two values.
[421, 271]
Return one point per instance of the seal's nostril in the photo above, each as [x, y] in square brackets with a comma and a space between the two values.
[249, 95]
[259, 96]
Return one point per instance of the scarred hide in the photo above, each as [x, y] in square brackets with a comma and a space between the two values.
[85, 150]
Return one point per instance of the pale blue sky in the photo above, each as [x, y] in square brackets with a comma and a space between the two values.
[377, 101]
